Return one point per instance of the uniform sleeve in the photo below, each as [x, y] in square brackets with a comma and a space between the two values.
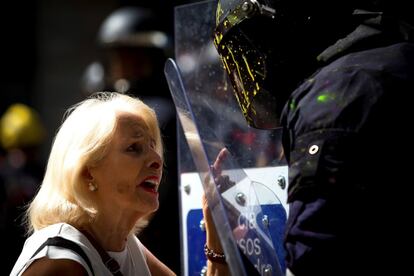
[345, 144]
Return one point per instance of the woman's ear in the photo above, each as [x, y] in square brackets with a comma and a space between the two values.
[88, 178]
[86, 174]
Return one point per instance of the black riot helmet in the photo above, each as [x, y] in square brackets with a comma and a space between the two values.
[133, 26]
[135, 46]
[269, 46]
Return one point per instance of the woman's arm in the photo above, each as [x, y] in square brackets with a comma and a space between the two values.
[213, 243]
[156, 267]
[212, 239]
[55, 267]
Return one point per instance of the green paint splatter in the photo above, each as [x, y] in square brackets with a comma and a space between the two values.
[325, 97]
[292, 105]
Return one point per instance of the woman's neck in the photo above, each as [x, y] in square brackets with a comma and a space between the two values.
[111, 232]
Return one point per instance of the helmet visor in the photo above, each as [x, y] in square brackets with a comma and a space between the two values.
[246, 67]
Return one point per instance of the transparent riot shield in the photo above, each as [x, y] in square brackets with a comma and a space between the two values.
[248, 214]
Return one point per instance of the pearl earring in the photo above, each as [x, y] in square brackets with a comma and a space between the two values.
[92, 187]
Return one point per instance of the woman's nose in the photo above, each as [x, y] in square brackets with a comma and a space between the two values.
[155, 161]
[155, 165]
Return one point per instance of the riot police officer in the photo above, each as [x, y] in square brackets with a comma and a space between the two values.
[334, 75]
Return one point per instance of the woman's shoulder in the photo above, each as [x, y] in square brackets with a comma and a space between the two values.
[135, 245]
[38, 237]
[36, 249]
[59, 229]
[138, 254]
[51, 230]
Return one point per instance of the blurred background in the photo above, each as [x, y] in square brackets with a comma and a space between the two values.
[53, 56]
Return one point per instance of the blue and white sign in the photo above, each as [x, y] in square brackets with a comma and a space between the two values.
[193, 232]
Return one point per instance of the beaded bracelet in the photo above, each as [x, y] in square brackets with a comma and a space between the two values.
[213, 256]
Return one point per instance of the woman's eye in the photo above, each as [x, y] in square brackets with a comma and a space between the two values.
[135, 148]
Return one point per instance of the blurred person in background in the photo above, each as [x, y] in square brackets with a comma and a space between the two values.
[133, 47]
[21, 135]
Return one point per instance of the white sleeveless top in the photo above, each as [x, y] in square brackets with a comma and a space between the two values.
[132, 260]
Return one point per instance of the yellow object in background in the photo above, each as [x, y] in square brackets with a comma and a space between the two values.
[20, 127]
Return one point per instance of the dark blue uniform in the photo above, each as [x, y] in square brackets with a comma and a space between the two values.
[348, 143]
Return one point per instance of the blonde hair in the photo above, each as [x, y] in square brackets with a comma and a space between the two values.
[82, 141]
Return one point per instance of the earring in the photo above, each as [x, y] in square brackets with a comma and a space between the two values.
[92, 187]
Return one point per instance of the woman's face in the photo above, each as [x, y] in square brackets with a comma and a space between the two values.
[129, 175]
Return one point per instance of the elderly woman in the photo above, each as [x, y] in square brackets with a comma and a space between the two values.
[100, 186]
